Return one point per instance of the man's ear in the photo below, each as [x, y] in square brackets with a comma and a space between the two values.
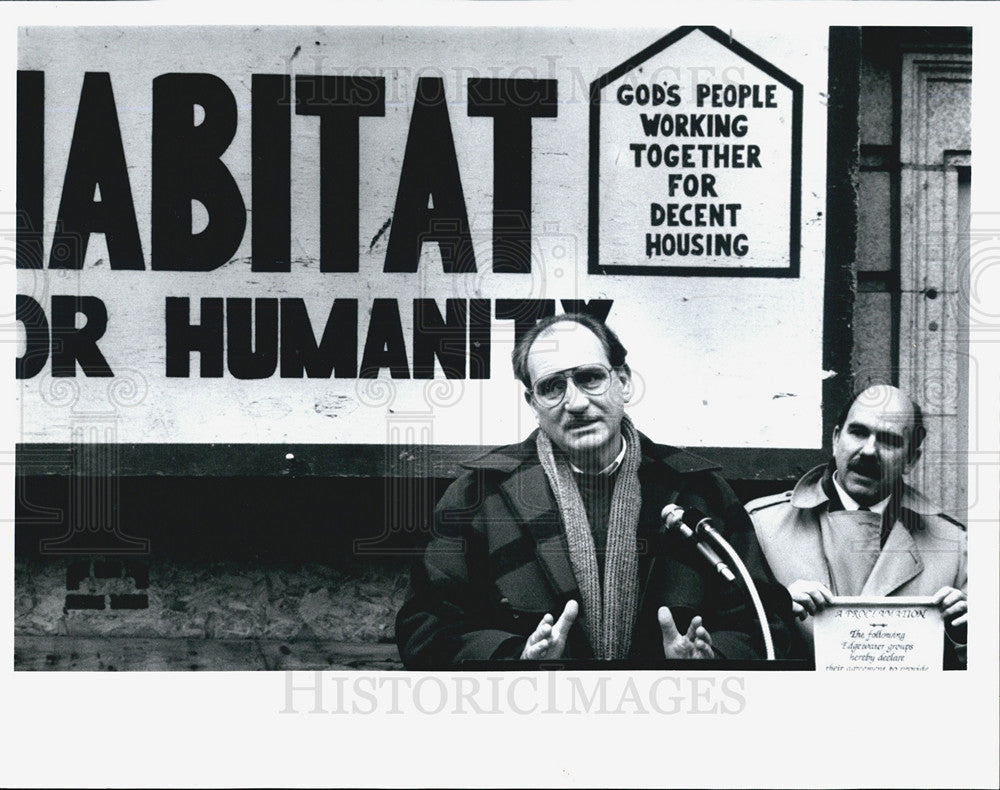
[836, 433]
[625, 376]
[530, 401]
[912, 462]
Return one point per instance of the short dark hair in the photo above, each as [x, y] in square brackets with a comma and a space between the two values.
[612, 345]
[917, 434]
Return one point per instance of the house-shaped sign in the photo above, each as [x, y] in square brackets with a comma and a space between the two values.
[695, 162]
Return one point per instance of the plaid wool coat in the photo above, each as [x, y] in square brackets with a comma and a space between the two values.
[497, 561]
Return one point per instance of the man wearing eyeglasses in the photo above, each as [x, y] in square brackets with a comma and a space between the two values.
[555, 547]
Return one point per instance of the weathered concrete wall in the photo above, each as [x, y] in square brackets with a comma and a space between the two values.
[286, 608]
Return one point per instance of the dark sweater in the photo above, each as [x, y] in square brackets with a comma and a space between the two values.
[596, 492]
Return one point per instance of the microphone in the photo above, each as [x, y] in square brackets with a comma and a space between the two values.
[675, 517]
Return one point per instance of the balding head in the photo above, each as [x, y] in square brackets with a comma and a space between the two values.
[877, 441]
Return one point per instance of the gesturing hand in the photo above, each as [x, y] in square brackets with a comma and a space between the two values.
[549, 640]
[954, 606]
[808, 597]
[696, 643]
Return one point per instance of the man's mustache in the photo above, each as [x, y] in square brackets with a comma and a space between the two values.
[866, 467]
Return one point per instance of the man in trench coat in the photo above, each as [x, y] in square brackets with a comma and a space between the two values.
[854, 527]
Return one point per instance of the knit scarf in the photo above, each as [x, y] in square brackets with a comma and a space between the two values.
[607, 615]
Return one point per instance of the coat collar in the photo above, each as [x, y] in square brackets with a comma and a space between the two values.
[528, 494]
[809, 493]
[509, 457]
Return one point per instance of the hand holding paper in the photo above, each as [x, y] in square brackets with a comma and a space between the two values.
[954, 606]
[808, 597]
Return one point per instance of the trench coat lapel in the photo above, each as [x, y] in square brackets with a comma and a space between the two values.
[530, 498]
[898, 562]
[851, 546]
[851, 541]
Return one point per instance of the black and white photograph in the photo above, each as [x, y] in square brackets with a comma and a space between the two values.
[625, 377]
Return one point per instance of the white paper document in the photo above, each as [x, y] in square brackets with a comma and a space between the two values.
[858, 634]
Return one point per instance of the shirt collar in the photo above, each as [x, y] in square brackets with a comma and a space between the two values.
[848, 501]
[608, 470]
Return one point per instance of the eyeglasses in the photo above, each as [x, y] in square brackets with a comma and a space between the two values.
[590, 379]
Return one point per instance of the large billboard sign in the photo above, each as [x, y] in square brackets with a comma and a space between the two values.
[285, 235]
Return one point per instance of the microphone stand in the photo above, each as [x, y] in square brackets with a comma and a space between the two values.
[704, 528]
